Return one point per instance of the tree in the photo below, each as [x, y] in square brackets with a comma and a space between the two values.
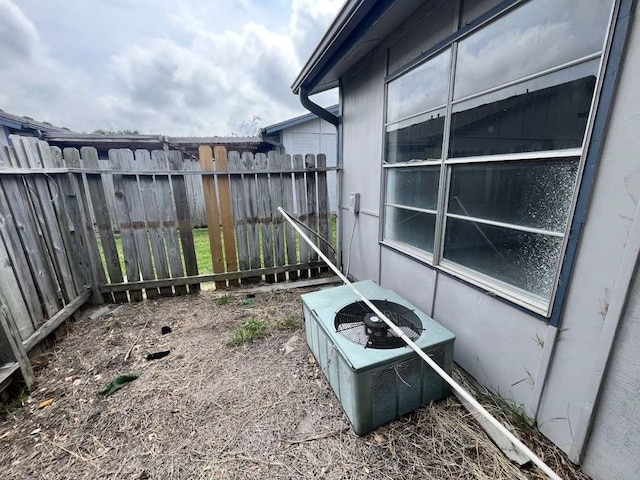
[102, 131]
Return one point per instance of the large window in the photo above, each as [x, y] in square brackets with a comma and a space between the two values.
[483, 147]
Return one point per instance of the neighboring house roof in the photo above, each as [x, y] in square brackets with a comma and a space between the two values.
[357, 29]
[16, 122]
[152, 142]
[292, 122]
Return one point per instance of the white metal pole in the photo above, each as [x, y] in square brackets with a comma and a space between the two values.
[447, 378]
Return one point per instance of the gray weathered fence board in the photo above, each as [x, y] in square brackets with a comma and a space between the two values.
[324, 219]
[312, 213]
[237, 195]
[11, 237]
[28, 156]
[265, 211]
[13, 337]
[89, 157]
[196, 194]
[137, 215]
[153, 219]
[275, 192]
[167, 212]
[83, 235]
[288, 206]
[122, 204]
[301, 204]
[33, 245]
[251, 206]
[12, 294]
[183, 216]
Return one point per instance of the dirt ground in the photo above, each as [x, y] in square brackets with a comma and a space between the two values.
[209, 410]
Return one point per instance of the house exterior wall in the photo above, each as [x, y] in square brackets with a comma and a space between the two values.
[362, 107]
[505, 347]
[315, 136]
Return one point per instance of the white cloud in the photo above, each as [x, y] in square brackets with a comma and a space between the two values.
[189, 68]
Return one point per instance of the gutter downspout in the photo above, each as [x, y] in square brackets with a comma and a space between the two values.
[317, 109]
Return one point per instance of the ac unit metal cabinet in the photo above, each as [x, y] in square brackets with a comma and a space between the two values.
[375, 386]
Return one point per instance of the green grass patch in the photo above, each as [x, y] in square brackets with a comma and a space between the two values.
[223, 300]
[203, 250]
[248, 331]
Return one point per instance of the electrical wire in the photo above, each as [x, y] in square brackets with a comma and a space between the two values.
[444, 375]
[309, 229]
[353, 231]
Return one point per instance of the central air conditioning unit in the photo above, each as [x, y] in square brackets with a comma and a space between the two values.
[374, 374]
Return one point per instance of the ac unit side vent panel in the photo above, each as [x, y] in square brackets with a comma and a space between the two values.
[375, 385]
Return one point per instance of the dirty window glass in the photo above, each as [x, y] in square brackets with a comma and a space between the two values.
[534, 116]
[537, 36]
[522, 259]
[424, 88]
[413, 187]
[419, 138]
[413, 228]
[532, 194]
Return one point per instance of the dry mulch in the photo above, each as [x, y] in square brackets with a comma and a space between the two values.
[214, 411]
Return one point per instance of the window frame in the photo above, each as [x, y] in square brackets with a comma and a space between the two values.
[435, 259]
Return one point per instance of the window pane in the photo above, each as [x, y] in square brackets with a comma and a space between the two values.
[419, 138]
[534, 37]
[410, 227]
[533, 116]
[525, 260]
[423, 88]
[413, 187]
[534, 194]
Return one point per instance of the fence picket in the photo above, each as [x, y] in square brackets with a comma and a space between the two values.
[301, 203]
[288, 205]
[159, 161]
[275, 192]
[251, 209]
[13, 296]
[226, 212]
[312, 212]
[12, 239]
[265, 212]
[101, 212]
[237, 195]
[36, 253]
[42, 200]
[83, 236]
[153, 219]
[323, 209]
[125, 222]
[213, 215]
[184, 219]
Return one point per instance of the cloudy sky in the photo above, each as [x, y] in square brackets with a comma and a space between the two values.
[188, 67]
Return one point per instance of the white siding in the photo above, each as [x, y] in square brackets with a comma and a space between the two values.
[315, 136]
[362, 156]
[615, 443]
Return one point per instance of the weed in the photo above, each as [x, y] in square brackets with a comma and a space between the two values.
[223, 300]
[248, 331]
[16, 401]
[289, 323]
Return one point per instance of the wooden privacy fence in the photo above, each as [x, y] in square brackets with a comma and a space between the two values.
[248, 239]
[48, 252]
[59, 247]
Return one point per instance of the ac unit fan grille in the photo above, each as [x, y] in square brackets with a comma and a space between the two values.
[359, 323]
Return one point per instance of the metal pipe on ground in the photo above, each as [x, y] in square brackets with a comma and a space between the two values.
[445, 376]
